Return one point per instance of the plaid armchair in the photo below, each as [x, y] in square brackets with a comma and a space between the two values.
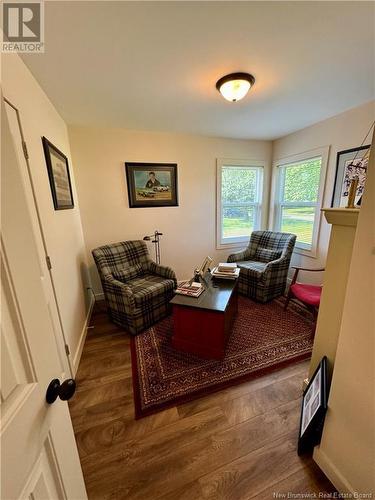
[264, 264]
[136, 289]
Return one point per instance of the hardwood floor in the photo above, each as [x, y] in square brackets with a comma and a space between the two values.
[239, 443]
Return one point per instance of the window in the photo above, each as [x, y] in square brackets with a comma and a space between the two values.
[298, 198]
[239, 188]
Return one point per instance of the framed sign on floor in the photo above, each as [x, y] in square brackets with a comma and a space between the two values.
[314, 407]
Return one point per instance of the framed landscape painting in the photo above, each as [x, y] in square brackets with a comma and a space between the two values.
[59, 177]
[350, 164]
[152, 184]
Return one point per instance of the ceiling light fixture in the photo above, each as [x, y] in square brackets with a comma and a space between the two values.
[235, 86]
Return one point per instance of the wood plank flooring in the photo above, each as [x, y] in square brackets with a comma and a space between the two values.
[236, 444]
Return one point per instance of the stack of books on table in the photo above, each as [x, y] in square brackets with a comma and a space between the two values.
[226, 270]
[191, 289]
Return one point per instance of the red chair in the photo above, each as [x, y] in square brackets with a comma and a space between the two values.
[308, 294]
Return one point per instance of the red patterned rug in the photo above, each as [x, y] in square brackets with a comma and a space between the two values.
[264, 336]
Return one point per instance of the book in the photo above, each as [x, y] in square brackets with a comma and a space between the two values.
[226, 275]
[227, 266]
[191, 289]
[226, 271]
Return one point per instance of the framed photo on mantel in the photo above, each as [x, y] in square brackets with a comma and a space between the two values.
[152, 184]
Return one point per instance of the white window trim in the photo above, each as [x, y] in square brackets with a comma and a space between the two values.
[275, 213]
[230, 162]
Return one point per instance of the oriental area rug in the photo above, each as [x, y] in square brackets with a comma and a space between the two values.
[264, 337]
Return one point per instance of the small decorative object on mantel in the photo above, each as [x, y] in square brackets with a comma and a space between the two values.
[151, 184]
[59, 177]
[352, 192]
[314, 407]
[156, 242]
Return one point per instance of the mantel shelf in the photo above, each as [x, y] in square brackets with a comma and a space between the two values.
[341, 216]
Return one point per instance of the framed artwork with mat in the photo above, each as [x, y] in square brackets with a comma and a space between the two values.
[152, 184]
[59, 176]
[350, 164]
[314, 407]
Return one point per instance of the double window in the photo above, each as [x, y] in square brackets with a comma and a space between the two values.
[298, 185]
[239, 189]
[298, 197]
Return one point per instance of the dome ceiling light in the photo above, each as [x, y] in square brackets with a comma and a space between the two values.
[235, 86]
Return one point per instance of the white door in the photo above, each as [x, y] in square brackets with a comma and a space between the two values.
[39, 458]
[15, 126]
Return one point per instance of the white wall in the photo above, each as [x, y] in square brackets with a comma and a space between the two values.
[347, 450]
[62, 229]
[189, 229]
[343, 131]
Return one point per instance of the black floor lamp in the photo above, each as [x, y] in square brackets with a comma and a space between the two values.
[155, 239]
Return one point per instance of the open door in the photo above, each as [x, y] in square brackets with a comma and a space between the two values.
[39, 458]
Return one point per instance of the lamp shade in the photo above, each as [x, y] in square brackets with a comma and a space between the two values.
[235, 86]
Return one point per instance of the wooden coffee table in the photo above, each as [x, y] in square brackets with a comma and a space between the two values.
[202, 325]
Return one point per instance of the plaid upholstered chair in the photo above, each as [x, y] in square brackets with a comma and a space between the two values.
[136, 289]
[264, 264]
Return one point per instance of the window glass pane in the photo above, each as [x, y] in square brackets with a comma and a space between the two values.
[300, 221]
[237, 221]
[238, 185]
[302, 181]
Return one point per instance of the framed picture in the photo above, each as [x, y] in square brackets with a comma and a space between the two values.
[152, 184]
[59, 177]
[314, 407]
[350, 163]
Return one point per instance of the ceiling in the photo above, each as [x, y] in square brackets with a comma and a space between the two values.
[154, 65]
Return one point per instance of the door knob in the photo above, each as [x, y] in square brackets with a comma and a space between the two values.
[63, 391]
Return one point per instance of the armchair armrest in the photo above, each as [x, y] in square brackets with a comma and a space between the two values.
[239, 256]
[118, 289]
[276, 268]
[275, 263]
[163, 271]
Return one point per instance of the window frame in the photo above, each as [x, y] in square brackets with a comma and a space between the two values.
[277, 191]
[256, 165]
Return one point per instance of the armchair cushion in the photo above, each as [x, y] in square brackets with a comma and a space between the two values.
[163, 271]
[267, 255]
[149, 286]
[127, 273]
[252, 269]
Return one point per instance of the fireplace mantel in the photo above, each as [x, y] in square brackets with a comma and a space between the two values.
[341, 216]
[344, 222]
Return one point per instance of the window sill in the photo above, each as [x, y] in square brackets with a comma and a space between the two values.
[238, 245]
[307, 253]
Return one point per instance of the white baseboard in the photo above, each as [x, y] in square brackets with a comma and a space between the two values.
[82, 337]
[331, 471]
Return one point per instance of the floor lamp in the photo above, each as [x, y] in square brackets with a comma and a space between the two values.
[155, 239]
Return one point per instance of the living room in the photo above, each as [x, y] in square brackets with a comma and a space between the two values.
[135, 95]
